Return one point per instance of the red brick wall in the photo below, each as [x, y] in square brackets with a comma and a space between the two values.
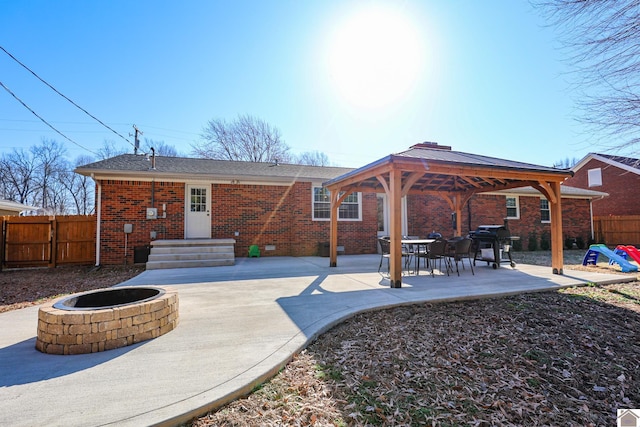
[126, 202]
[262, 215]
[281, 216]
[620, 184]
[432, 213]
[575, 217]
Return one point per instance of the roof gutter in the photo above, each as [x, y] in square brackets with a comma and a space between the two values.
[146, 176]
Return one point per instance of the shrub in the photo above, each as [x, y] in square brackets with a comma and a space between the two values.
[517, 245]
[545, 242]
[580, 242]
[568, 242]
[533, 242]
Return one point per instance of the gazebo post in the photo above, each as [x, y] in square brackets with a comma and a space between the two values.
[557, 258]
[395, 205]
[333, 230]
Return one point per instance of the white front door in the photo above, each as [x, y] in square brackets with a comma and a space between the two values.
[198, 207]
[384, 217]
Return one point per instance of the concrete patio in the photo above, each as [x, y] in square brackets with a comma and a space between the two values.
[238, 326]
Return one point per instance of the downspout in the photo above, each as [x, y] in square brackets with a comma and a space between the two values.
[98, 220]
[591, 219]
[153, 181]
[593, 232]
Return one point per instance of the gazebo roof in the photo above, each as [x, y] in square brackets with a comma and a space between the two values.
[432, 168]
[429, 168]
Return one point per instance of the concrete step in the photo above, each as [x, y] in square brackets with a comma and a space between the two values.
[190, 256]
[193, 242]
[191, 253]
[191, 249]
[156, 265]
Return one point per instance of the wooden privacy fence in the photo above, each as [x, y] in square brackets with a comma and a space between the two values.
[617, 230]
[47, 241]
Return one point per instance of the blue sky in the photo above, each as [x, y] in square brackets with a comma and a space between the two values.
[356, 80]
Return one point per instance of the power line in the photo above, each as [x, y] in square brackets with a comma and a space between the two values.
[43, 120]
[58, 92]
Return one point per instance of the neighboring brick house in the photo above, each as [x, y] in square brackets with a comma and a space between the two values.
[281, 208]
[616, 175]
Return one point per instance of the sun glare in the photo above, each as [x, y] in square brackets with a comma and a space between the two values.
[375, 56]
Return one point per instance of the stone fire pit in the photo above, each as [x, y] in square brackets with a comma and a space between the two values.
[105, 319]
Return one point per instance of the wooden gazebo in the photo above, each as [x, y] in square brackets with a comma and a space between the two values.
[455, 176]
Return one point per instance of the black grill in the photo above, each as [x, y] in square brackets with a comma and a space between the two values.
[495, 237]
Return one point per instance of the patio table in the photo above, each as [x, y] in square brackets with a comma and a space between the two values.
[416, 244]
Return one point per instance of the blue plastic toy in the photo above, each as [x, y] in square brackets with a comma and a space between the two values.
[591, 258]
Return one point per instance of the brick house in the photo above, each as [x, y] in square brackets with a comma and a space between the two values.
[284, 209]
[615, 175]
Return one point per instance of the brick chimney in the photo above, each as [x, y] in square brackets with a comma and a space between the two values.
[432, 145]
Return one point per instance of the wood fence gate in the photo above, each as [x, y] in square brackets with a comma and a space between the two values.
[47, 241]
[617, 230]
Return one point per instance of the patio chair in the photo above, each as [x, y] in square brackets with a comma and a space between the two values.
[438, 252]
[458, 251]
[385, 253]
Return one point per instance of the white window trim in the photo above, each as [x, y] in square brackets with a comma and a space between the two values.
[594, 177]
[545, 221]
[517, 206]
[313, 204]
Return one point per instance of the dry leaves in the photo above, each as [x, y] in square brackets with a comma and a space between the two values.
[559, 358]
[25, 287]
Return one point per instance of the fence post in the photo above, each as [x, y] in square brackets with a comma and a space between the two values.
[53, 248]
[2, 242]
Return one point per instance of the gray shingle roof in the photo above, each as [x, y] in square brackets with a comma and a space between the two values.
[627, 161]
[469, 159]
[131, 165]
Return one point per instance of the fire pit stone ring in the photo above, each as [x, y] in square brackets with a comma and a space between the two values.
[105, 319]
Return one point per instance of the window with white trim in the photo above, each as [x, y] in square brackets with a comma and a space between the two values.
[513, 207]
[594, 176]
[350, 209]
[545, 212]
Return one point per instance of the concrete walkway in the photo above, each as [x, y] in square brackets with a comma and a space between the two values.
[238, 326]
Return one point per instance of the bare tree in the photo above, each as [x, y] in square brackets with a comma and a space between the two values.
[50, 163]
[17, 170]
[80, 189]
[566, 163]
[110, 149]
[246, 138]
[603, 41]
[313, 158]
[161, 148]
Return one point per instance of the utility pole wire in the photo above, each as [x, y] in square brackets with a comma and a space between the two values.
[56, 91]
[137, 141]
[43, 120]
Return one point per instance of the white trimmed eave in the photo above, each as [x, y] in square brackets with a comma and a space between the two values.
[15, 206]
[532, 192]
[148, 176]
[594, 156]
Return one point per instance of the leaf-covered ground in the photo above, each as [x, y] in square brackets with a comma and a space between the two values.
[567, 358]
[26, 287]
